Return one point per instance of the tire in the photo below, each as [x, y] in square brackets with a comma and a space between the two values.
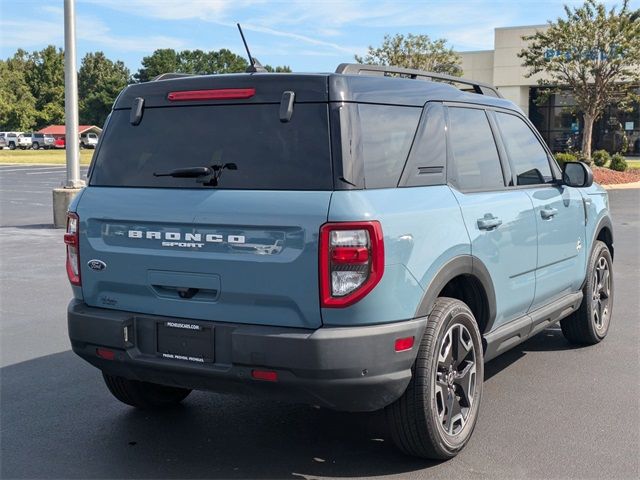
[12, 146]
[35, 146]
[418, 421]
[590, 323]
[144, 395]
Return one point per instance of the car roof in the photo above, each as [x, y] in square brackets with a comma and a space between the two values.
[308, 87]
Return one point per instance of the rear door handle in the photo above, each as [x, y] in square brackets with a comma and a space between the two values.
[548, 212]
[489, 222]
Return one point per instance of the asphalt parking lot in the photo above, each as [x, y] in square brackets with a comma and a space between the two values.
[549, 410]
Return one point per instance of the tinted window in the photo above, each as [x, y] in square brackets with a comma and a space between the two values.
[386, 136]
[269, 154]
[427, 160]
[528, 157]
[476, 163]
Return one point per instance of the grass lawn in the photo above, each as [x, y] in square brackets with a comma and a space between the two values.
[41, 156]
[633, 163]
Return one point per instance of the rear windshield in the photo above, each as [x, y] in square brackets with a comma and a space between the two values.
[268, 153]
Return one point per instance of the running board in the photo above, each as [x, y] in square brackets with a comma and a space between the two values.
[517, 331]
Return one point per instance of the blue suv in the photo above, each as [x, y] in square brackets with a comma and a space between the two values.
[360, 240]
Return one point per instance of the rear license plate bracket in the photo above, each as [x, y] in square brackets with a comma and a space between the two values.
[185, 341]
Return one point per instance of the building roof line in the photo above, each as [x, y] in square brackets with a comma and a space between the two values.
[519, 27]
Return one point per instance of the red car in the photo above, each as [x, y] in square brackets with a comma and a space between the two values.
[59, 143]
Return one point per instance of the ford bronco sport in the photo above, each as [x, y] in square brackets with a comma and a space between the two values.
[360, 240]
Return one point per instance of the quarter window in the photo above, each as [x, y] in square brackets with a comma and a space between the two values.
[528, 157]
[476, 164]
[387, 133]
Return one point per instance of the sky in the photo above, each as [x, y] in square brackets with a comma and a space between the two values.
[306, 35]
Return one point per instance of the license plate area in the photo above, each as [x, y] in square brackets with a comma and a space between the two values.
[185, 341]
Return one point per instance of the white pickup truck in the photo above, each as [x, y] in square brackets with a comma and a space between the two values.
[24, 141]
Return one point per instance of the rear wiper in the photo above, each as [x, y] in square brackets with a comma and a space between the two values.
[188, 172]
[213, 173]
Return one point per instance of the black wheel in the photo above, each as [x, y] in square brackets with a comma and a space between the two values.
[144, 395]
[436, 415]
[590, 323]
[12, 146]
[35, 145]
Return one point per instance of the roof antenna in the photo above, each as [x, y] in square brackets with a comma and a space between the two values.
[254, 64]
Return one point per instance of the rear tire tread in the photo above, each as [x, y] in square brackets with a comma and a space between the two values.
[144, 395]
[408, 423]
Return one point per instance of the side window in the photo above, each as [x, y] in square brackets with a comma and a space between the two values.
[427, 160]
[528, 158]
[476, 164]
[386, 136]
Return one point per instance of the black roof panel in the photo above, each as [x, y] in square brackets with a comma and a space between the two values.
[308, 87]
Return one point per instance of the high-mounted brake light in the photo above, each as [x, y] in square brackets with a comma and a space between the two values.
[71, 239]
[219, 94]
[351, 261]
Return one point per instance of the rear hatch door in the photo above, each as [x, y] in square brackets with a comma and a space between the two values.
[242, 251]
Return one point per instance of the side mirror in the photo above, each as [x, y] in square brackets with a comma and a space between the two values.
[577, 174]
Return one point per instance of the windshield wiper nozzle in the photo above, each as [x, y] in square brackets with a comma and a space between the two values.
[188, 172]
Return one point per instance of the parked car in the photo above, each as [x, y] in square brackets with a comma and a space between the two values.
[3, 141]
[11, 139]
[59, 142]
[42, 140]
[24, 141]
[351, 240]
[88, 140]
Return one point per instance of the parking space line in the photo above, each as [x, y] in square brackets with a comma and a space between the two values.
[43, 173]
[27, 169]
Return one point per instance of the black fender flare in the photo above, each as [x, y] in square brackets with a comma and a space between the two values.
[460, 265]
[605, 221]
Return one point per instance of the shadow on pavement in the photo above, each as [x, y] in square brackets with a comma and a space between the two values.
[549, 340]
[59, 421]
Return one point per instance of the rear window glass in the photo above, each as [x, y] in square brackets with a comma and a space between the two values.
[268, 153]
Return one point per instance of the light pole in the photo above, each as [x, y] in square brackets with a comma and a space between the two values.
[62, 196]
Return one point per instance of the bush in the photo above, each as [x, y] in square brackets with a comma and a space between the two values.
[618, 163]
[562, 158]
[601, 158]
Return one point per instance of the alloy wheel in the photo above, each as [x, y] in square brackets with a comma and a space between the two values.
[455, 379]
[601, 293]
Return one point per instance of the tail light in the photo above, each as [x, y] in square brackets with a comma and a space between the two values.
[351, 261]
[71, 239]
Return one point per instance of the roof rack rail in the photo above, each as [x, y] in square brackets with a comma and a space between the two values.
[383, 70]
[169, 76]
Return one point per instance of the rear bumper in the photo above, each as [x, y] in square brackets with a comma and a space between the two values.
[342, 368]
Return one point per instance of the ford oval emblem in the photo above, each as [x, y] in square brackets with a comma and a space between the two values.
[96, 264]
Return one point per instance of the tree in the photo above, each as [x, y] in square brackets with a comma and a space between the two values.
[44, 74]
[414, 51]
[17, 104]
[595, 52]
[100, 80]
[193, 61]
[278, 69]
[164, 60]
